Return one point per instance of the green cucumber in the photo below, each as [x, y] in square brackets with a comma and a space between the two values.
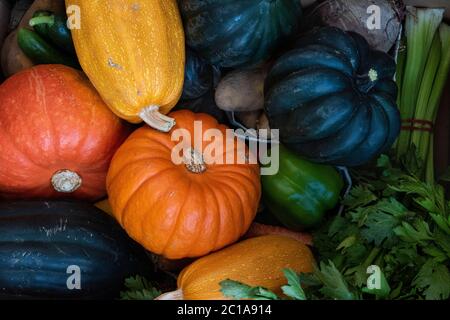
[54, 29]
[40, 52]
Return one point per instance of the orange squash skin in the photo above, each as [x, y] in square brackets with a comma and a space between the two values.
[172, 211]
[51, 119]
[133, 52]
[257, 262]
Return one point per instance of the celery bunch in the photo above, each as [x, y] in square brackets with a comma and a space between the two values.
[422, 72]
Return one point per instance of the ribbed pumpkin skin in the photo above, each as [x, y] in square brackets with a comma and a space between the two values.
[133, 52]
[172, 211]
[51, 119]
[40, 240]
[233, 33]
[333, 98]
[257, 262]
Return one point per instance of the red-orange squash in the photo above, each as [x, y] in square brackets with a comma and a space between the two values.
[57, 136]
[189, 208]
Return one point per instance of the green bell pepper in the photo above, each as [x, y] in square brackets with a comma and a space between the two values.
[301, 192]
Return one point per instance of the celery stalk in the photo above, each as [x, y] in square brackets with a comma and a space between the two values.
[423, 110]
[420, 28]
[438, 89]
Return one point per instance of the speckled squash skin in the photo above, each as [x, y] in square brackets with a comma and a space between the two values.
[133, 52]
[234, 33]
[256, 262]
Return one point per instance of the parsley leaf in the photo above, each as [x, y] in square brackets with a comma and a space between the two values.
[381, 222]
[237, 290]
[434, 279]
[293, 289]
[334, 284]
[139, 288]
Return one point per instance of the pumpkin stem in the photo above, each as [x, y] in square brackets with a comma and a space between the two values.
[66, 181]
[156, 119]
[194, 161]
[173, 295]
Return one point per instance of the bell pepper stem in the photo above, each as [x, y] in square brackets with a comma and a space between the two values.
[151, 116]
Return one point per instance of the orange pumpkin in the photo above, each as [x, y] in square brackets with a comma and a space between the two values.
[189, 208]
[57, 136]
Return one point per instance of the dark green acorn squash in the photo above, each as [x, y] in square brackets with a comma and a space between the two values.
[333, 98]
[199, 76]
[39, 241]
[233, 33]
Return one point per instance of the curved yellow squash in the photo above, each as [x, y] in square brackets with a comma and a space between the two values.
[133, 52]
[257, 262]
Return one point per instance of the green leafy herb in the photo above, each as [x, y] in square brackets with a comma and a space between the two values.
[391, 219]
[434, 279]
[236, 290]
[293, 289]
[139, 288]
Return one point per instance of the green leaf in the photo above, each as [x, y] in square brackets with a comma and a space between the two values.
[436, 253]
[383, 162]
[380, 225]
[434, 279]
[337, 225]
[443, 241]
[442, 223]
[237, 290]
[418, 234]
[334, 284]
[359, 196]
[293, 289]
[356, 253]
[358, 274]
[139, 288]
[347, 243]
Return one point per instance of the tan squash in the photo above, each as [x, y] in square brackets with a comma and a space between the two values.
[256, 262]
[133, 52]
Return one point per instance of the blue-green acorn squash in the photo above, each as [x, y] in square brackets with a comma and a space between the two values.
[233, 33]
[42, 244]
[333, 98]
[199, 76]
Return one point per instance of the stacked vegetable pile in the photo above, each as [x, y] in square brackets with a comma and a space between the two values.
[93, 204]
